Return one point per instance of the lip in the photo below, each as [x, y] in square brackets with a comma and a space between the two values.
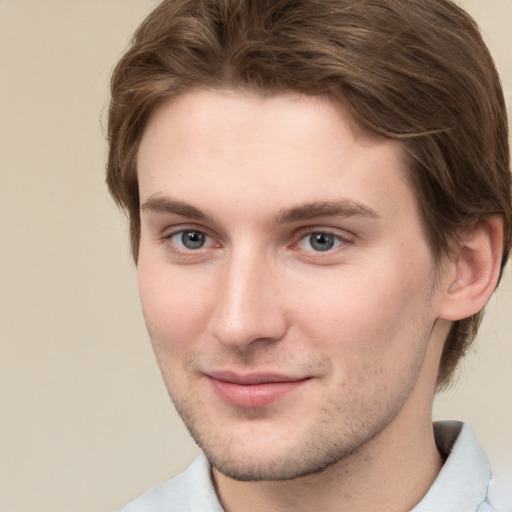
[254, 390]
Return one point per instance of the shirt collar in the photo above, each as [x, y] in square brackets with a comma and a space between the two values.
[463, 481]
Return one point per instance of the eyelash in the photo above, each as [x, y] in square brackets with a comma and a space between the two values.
[167, 238]
[338, 240]
[302, 236]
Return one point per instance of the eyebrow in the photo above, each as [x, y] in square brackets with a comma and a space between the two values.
[159, 204]
[307, 211]
[340, 208]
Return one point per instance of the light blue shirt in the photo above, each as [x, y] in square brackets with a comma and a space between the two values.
[463, 484]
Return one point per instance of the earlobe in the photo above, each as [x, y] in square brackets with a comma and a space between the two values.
[474, 271]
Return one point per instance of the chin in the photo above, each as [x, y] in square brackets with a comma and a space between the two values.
[285, 468]
[271, 458]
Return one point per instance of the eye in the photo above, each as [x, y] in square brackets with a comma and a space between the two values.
[190, 239]
[319, 241]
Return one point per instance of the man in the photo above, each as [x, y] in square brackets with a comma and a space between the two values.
[319, 203]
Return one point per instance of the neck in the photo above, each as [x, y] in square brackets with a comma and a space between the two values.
[391, 473]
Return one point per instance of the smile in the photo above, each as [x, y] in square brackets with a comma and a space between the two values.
[254, 390]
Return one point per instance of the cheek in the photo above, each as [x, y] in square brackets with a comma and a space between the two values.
[175, 306]
[368, 316]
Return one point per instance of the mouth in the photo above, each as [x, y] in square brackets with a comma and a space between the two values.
[255, 390]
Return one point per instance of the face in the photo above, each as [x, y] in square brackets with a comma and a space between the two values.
[284, 276]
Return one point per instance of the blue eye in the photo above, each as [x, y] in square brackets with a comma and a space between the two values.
[320, 241]
[190, 239]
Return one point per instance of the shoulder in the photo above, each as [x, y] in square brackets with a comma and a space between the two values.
[190, 491]
[499, 497]
[167, 496]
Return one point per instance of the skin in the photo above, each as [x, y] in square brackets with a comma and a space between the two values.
[361, 325]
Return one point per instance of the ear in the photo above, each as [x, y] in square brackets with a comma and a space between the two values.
[472, 275]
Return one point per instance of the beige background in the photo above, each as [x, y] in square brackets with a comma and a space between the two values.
[85, 423]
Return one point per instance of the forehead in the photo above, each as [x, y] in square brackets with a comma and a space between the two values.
[218, 145]
[246, 112]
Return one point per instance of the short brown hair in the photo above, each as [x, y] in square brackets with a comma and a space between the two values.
[414, 70]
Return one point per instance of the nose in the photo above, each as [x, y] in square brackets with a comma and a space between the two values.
[247, 309]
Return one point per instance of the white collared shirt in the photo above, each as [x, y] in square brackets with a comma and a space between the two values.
[463, 484]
